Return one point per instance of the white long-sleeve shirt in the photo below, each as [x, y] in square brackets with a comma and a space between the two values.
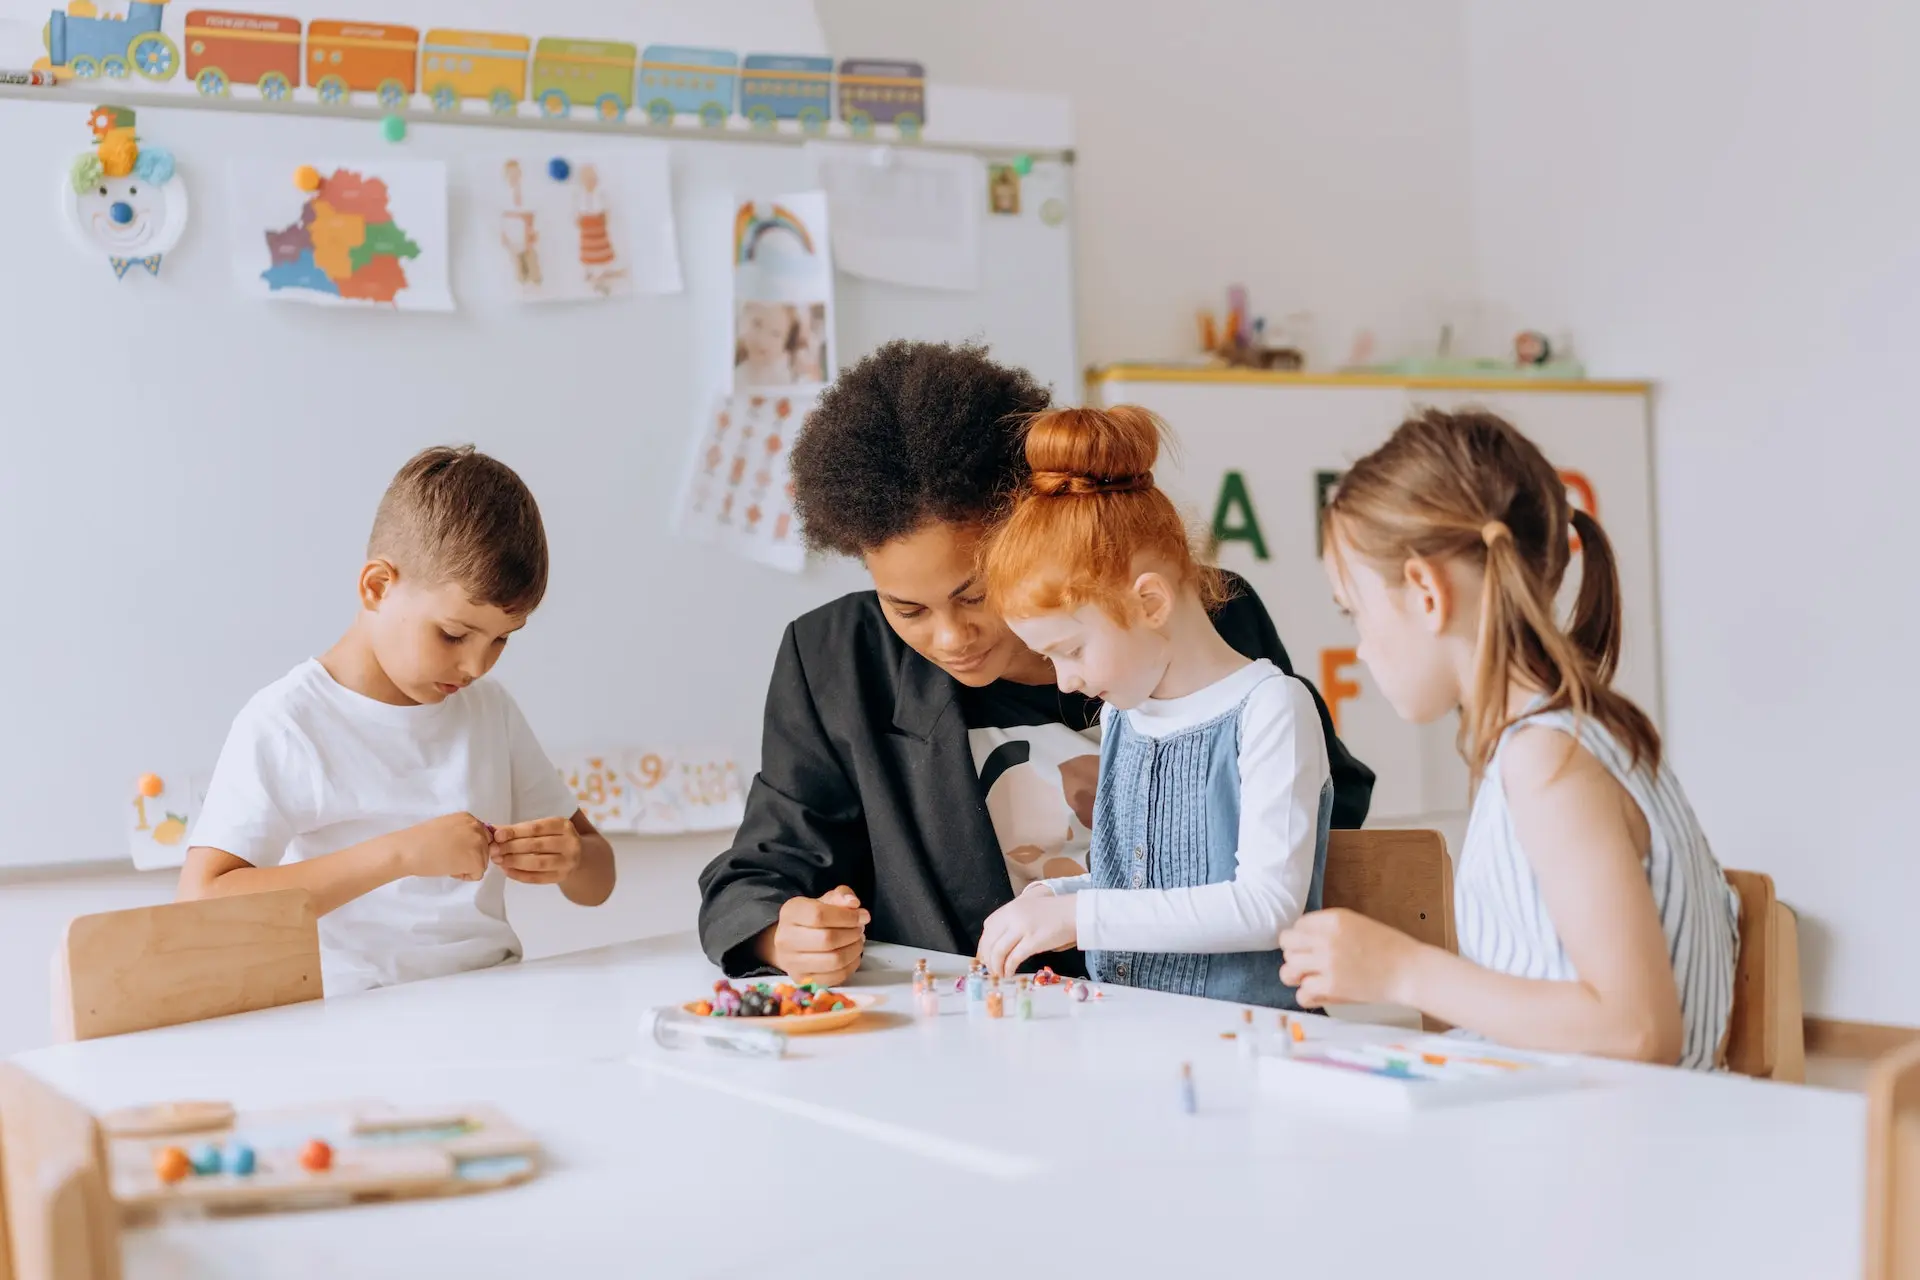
[1283, 766]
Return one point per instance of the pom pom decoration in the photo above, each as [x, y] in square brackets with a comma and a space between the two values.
[87, 171]
[154, 165]
[118, 151]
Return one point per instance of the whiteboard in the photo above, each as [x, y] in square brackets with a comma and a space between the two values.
[189, 476]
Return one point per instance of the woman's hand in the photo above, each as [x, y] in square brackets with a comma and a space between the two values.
[1342, 957]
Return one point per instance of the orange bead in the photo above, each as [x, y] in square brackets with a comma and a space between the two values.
[150, 785]
[316, 1157]
[170, 1164]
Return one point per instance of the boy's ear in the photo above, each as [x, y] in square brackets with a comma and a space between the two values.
[377, 580]
[1155, 595]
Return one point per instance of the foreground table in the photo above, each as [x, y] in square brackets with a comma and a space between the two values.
[916, 1147]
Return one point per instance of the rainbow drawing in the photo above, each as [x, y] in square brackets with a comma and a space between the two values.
[749, 225]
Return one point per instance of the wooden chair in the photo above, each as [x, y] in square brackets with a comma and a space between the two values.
[1893, 1166]
[123, 971]
[57, 1216]
[1400, 878]
[1765, 1038]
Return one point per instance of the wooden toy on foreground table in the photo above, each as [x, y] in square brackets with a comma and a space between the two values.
[206, 1156]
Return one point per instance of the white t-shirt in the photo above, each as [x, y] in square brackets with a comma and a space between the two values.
[311, 767]
[1283, 765]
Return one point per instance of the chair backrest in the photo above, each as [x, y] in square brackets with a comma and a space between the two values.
[122, 971]
[1893, 1166]
[61, 1222]
[1400, 878]
[1751, 1033]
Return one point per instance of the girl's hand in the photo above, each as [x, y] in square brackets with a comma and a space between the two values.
[543, 851]
[1342, 957]
[1038, 920]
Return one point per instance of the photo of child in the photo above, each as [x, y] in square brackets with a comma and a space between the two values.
[778, 344]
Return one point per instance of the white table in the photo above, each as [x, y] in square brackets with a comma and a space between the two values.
[944, 1147]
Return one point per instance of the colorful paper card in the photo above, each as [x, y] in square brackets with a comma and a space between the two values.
[580, 227]
[783, 292]
[342, 233]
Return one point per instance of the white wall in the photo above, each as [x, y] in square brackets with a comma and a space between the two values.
[1314, 152]
[1724, 197]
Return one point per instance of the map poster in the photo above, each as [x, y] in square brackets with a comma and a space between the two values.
[342, 233]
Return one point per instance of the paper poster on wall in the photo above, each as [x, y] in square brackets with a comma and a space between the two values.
[783, 292]
[161, 812]
[737, 491]
[905, 216]
[657, 791]
[582, 227]
[343, 233]
[124, 198]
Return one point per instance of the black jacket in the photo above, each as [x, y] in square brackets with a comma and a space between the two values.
[866, 779]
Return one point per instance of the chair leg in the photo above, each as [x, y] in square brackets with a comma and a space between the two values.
[1789, 1022]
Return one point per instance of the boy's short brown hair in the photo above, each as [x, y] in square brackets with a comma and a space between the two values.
[453, 514]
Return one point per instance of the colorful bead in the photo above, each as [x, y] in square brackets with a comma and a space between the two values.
[240, 1160]
[206, 1159]
[316, 1157]
[170, 1164]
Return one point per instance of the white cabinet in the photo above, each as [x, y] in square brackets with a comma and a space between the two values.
[1254, 453]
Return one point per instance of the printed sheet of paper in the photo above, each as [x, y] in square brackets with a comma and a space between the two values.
[783, 292]
[161, 811]
[905, 216]
[738, 492]
[372, 233]
[579, 228]
[657, 792]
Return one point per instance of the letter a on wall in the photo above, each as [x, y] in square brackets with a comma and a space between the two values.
[1233, 518]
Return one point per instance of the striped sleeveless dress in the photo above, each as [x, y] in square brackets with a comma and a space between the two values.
[1502, 920]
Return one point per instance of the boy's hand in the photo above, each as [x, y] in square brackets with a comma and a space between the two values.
[1036, 921]
[544, 851]
[818, 939]
[454, 845]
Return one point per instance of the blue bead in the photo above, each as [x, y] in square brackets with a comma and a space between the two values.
[559, 170]
[121, 212]
[240, 1161]
[206, 1159]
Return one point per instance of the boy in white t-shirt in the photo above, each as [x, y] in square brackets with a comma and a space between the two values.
[386, 777]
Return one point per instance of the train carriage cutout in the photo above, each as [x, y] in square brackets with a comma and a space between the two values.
[457, 65]
[875, 91]
[778, 86]
[345, 58]
[595, 73]
[84, 45]
[225, 49]
[679, 80]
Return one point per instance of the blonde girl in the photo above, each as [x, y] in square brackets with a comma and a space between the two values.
[1211, 810]
[1592, 916]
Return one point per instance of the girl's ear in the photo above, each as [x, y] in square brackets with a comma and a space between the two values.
[1430, 594]
[1155, 597]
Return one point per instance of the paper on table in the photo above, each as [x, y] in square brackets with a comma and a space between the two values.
[904, 216]
[584, 227]
[737, 492]
[371, 233]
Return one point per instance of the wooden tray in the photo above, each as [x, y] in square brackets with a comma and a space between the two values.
[379, 1153]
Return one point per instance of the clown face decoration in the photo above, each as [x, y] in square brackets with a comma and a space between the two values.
[123, 199]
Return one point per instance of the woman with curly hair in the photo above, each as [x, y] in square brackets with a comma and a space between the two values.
[919, 766]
